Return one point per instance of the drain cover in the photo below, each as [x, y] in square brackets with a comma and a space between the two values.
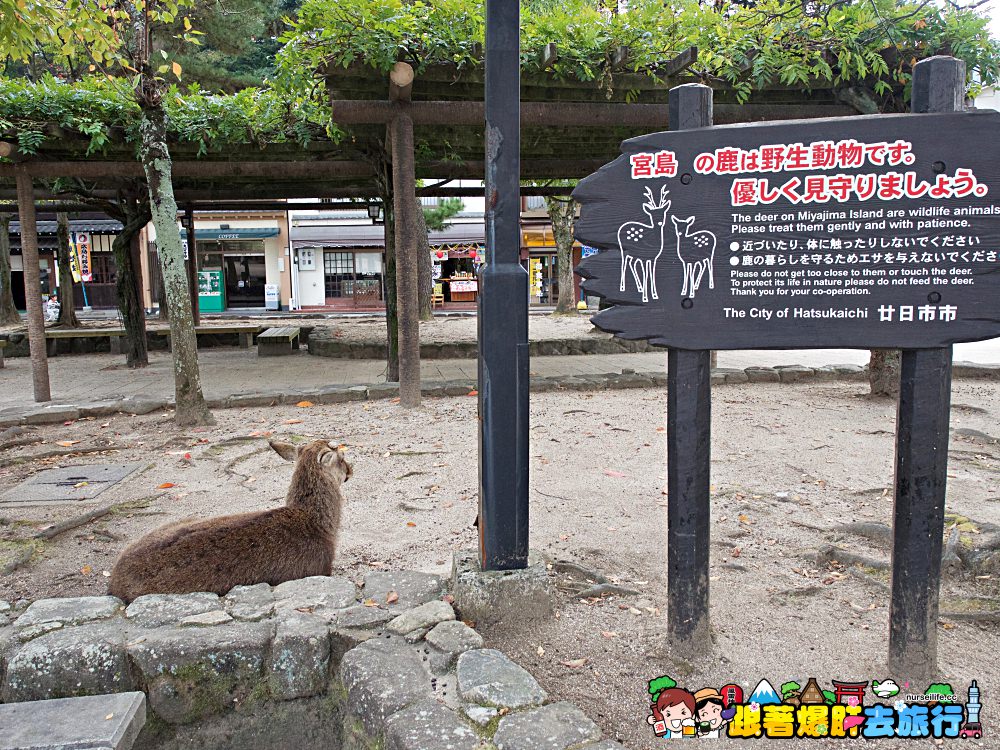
[67, 485]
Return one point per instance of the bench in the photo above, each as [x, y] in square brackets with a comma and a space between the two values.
[54, 335]
[275, 342]
[96, 721]
[245, 333]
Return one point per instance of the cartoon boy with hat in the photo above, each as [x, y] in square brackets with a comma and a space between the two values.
[711, 712]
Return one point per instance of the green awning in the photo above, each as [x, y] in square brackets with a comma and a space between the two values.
[234, 234]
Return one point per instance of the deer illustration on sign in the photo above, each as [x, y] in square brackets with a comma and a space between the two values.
[696, 251]
[642, 244]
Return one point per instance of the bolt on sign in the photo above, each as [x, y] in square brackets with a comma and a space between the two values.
[873, 232]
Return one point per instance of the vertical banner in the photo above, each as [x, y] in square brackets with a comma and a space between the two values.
[74, 265]
[82, 244]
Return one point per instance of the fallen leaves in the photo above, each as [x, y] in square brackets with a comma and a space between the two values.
[305, 404]
[392, 597]
[67, 443]
[575, 663]
[292, 421]
[86, 570]
[613, 473]
[411, 524]
[165, 486]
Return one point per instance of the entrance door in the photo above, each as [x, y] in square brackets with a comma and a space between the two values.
[245, 276]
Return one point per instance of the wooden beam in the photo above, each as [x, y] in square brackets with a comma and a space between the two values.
[679, 64]
[290, 170]
[407, 247]
[401, 82]
[550, 53]
[6, 149]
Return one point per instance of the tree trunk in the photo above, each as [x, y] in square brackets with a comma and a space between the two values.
[425, 266]
[191, 407]
[562, 214]
[67, 303]
[129, 304]
[883, 372]
[8, 311]
[33, 287]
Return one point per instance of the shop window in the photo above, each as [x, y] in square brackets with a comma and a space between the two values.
[103, 269]
[338, 272]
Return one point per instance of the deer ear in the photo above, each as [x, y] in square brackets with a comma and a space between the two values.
[287, 451]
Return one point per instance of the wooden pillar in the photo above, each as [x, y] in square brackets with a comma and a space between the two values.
[689, 421]
[192, 266]
[32, 286]
[405, 204]
[922, 449]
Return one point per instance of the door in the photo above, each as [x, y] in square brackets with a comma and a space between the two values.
[245, 277]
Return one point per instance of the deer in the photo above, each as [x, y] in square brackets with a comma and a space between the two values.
[294, 541]
[696, 251]
[642, 244]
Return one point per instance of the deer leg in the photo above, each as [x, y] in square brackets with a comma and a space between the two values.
[644, 268]
[621, 287]
[696, 280]
[652, 279]
[684, 289]
[711, 273]
[636, 265]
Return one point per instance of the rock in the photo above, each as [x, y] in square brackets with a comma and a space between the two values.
[414, 588]
[4, 607]
[794, 373]
[250, 603]
[192, 673]
[487, 676]
[428, 726]
[103, 721]
[361, 616]
[762, 375]
[554, 727]
[604, 745]
[83, 660]
[415, 636]
[382, 676]
[425, 616]
[155, 610]
[300, 657]
[482, 715]
[449, 639]
[493, 596]
[316, 593]
[70, 611]
[34, 631]
[207, 619]
[50, 414]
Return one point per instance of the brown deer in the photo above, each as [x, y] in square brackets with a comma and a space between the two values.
[270, 546]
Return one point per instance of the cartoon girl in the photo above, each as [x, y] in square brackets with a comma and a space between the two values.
[712, 712]
[673, 710]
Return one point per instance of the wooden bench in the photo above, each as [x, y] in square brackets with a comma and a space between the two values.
[54, 335]
[245, 333]
[275, 342]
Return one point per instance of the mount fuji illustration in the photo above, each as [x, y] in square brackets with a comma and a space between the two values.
[764, 694]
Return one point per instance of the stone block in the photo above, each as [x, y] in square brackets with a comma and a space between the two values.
[425, 616]
[382, 676]
[762, 375]
[794, 373]
[413, 587]
[500, 595]
[448, 640]
[361, 616]
[85, 660]
[71, 611]
[973, 370]
[554, 727]
[55, 414]
[316, 593]
[826, 373]
[156, 610]
[487, 676]
[142, 405]
[482, 715]
[250, 603]
[300, 657]
[428, 725]
[104, 722]
[192, 673]
[206, 619]
[382, 390]
[850, 371]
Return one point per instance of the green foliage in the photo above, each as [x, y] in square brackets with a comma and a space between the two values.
[830, 697]
[940, 688]
[788, 688]
[766, 43]
[660, 684]
[437, 216]
[99, 110]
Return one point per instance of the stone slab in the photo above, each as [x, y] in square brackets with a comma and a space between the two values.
[156, 610]
[557, 726]
[448, 640]
[68, 484]
[486, 676]
[413, 587]
[428, 725]
[73, 723]
[250, 603]
[300, 657]
[425, 616]
[316, 593]
[71, 610]
[382, 676]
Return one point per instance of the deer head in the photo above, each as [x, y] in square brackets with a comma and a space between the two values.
[654, 205]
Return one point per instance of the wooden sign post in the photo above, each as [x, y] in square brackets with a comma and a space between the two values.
[866, 232]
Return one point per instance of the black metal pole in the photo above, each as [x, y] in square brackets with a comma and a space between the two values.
[922, 448]
[503, 310]
[689, 422]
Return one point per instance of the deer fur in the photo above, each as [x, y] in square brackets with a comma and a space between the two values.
[270, 546]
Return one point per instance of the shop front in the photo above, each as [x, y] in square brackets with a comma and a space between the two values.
[456, 270]
[541, 259]
[233, 267]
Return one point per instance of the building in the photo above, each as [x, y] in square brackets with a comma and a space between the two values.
[539, 254]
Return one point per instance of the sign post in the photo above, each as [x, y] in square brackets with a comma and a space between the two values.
[875, 232]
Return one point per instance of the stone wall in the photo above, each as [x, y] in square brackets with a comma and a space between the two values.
[307, 663]
[321, 344]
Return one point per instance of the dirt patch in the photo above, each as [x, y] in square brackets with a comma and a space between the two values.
[790, 465]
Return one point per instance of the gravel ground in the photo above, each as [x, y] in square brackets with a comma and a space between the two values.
[790, 464]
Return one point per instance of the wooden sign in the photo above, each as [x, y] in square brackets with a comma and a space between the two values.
[863, 232]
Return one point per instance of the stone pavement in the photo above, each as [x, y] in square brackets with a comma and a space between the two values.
[229, 372]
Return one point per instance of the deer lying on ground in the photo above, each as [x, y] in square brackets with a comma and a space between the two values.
[270, 546]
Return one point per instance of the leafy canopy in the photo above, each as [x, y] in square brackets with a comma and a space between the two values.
[747, 46]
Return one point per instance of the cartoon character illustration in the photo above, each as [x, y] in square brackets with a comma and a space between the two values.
[642, 244]
[885, 689]
[672, 713]
[972, 729]
[696, 251]
[711, 712]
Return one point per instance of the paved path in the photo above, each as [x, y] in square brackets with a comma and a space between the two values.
[229, 371]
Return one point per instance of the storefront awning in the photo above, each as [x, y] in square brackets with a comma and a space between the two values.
[363, 236]
[234, 234]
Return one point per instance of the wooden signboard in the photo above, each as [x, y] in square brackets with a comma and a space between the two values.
[864, 232]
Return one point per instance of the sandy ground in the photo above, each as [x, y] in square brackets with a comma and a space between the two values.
[789, 466]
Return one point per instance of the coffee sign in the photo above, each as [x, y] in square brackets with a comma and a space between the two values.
[864, 232]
